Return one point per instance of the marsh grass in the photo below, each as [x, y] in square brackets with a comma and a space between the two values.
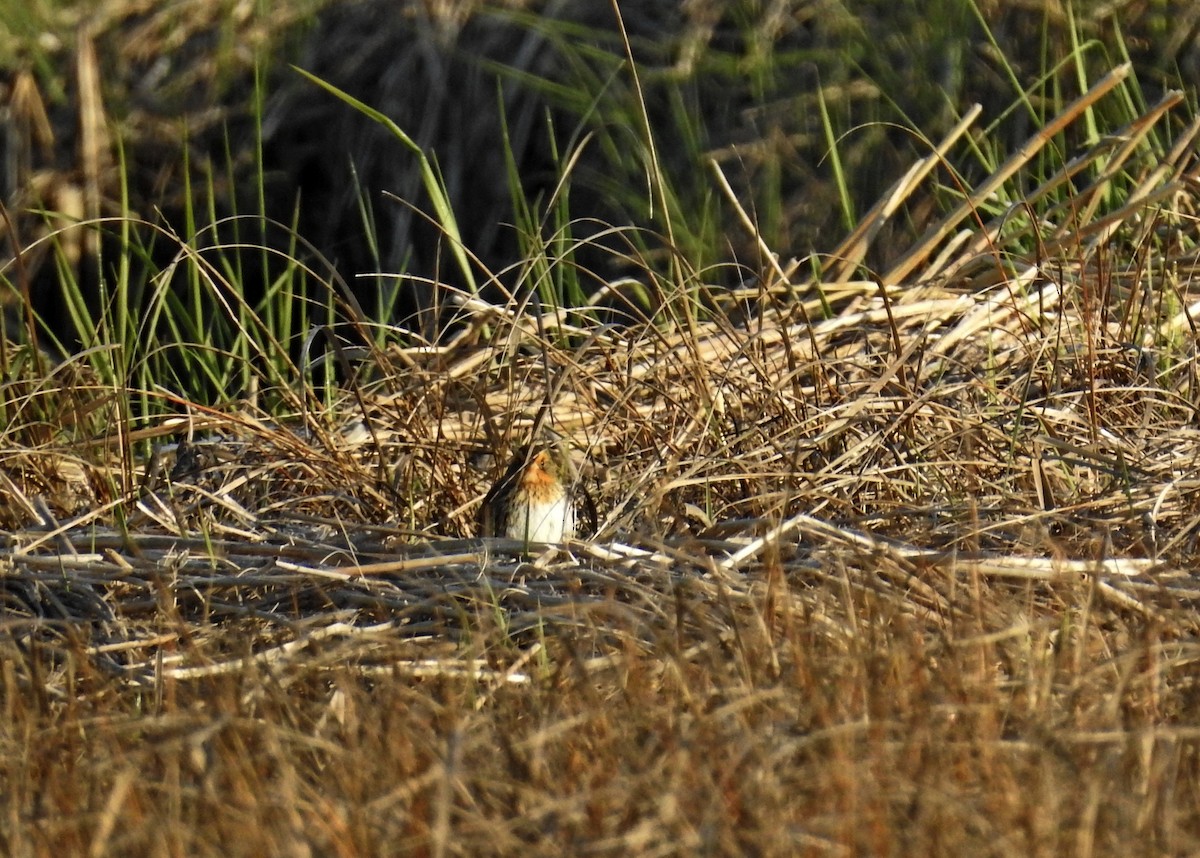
[887, 564]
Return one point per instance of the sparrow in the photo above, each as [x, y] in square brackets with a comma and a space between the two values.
[531, 502]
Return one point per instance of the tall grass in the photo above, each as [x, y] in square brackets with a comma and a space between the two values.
[895, 543]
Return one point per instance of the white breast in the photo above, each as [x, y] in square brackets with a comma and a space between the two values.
[551, 522]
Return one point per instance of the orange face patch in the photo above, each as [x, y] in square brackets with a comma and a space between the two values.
[540, 473]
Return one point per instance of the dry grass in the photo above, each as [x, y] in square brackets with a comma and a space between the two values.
[884, 568]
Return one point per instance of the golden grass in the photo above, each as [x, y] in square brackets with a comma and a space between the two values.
[884, 568]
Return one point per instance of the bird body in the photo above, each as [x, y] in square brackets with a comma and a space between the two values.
[531, 502]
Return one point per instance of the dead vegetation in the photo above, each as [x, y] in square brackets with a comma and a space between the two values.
[887, 567]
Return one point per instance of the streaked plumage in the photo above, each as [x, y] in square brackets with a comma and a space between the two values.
[531, 502]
